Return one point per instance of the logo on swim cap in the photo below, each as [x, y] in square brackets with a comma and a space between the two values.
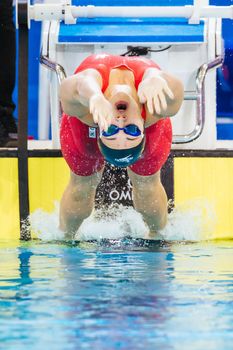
[126, 159]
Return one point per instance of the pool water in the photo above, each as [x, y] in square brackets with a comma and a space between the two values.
[116, 295]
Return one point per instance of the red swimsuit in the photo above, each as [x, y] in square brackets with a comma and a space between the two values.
[79, 141]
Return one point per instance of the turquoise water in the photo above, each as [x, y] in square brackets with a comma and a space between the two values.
[116, 296]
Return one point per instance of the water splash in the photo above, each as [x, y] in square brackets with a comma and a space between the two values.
[115, 223]
[194, 220]
[45, 226]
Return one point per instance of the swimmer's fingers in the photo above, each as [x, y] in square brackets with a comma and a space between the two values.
[103, 123]
[142, 98]
[96, 104]
[160, 101]
[162, 86]
[108, 114]
[92, 104]
[102, 118]
[95, 116]
[163, 101]
[150, 104]
[101, 126]
[107, 124]
[94, 111]
[168, 91]
[108, 121]
[101, 110]
[156, 103]
[141, 95]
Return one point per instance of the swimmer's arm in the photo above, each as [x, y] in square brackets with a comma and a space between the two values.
[77, 90]
[161, 92]
[81, 96]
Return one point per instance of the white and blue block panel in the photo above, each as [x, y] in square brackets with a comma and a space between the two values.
[137, 30]
[178, 47]
[143, 30]
[113, 35]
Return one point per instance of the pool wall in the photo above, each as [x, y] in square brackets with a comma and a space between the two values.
[189, 177]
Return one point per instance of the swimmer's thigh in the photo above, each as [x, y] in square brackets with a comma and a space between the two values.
[78, 200]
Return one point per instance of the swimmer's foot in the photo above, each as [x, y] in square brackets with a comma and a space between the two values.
[153, 235]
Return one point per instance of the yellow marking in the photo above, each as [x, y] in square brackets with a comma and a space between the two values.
[10, 267]
[48, 178]
[9, 199]
[208, 181]
[206, 263]
[205, 182]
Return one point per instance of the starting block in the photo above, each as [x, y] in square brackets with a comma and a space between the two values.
[187, 47]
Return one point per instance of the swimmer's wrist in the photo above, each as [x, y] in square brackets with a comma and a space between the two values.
[96, 96]
[152, 72]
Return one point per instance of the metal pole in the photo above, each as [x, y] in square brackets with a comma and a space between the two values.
[23, 123]
[40, 12]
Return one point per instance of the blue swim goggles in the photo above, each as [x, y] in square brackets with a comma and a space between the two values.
[131, 130]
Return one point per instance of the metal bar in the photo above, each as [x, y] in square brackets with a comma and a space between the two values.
[61, 74]
[53, 66]
[200, 102]
[40, 12]
[23, 123]
[190, 96]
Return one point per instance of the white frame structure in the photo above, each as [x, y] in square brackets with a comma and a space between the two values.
[210, 56]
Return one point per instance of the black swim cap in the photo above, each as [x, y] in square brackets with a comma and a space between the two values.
[121, 157]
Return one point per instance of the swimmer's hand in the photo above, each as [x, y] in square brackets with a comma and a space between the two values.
[154, 91]
[101, 111]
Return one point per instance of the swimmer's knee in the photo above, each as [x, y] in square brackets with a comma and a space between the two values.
[143, 180]
[86, 181]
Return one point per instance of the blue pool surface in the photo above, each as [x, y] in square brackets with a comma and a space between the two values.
[103, 297]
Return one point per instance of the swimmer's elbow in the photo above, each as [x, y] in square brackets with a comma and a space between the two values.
[67, 90]
[69, 98]
[66, 108]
